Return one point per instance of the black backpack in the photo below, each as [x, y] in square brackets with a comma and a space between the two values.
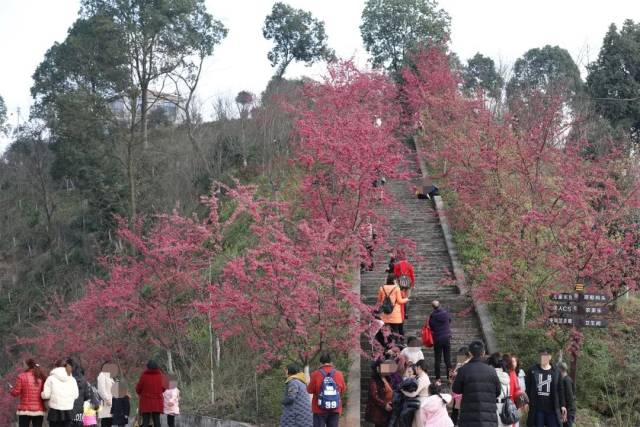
[387, 305]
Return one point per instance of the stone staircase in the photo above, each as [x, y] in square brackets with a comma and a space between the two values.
[418, 220]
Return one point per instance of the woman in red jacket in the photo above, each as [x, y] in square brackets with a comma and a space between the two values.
[150, 387]
[28, 386]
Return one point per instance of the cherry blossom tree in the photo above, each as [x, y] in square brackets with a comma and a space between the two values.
[546, 216]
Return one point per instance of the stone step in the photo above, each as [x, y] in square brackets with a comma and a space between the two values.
[417, 220]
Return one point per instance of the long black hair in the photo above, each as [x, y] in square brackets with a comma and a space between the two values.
[422, 364]
[496, 361]
[436, 389]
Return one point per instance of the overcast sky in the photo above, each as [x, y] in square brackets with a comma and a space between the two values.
[502, 29]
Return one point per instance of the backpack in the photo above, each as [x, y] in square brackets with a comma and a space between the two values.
[509, 413]
[405, 282]
[329, 397]
[387, 305]
[95, 399]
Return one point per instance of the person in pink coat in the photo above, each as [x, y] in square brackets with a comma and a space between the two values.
[434, 408]
[171, 400]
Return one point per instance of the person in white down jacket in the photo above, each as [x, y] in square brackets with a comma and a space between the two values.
[61, 390]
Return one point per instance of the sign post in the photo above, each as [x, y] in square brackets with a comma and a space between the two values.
[571, 309]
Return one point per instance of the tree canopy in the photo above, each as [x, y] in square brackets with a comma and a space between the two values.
[545, 70]
[614, 78]
[480, 73]
[393, 29]
[297, 36]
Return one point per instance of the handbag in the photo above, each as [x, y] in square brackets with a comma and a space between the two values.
[509, 414]
[521, 399]
[427, 336]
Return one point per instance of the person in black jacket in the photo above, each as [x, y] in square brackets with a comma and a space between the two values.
[546, 394]
[480, 388]
[84, 392]
[440, 324]
[569, 391]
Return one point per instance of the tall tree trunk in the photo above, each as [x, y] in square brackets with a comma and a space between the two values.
[144, 126]
[169, 361]
[523, 312]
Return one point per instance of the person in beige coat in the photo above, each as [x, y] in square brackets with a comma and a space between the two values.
[497, 362]
[105, 383]
[422, 392]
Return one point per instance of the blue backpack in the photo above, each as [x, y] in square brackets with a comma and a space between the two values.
[329, 397]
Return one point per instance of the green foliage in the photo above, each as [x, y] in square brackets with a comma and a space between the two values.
[392, 29]
[547, 69]
[614, 78]
[480, 73]
[297, 35]
[609, 368]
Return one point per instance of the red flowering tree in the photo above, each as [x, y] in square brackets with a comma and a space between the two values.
[282, 296]
[347, 139]
[291, 296]
[545, 215]
[143, 306]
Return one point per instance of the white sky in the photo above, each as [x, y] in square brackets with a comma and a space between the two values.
[502, 29]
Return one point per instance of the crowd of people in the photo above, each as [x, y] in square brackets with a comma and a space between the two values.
[66, 399]
[486, 391]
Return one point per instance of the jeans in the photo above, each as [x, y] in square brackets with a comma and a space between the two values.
[440, 349]
[548, 419]
[148, 415]
[171, 420]
[326, 420]
[26, 421]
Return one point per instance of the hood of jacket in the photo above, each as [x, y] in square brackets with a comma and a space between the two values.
[299, 376]
[434, 404]
[61, 374]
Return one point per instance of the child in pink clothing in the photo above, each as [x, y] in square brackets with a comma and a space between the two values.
[434, 408]
[171, 397]
[90, 414]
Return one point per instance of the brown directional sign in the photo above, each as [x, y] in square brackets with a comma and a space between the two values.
[595, 323]
[565, 308]
[567, 320]
[595, 298]
[575, 297]
[603, 309]
[573, 321]
[579, 309]
[564, 296]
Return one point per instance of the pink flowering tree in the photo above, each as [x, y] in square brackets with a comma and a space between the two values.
[546, 216]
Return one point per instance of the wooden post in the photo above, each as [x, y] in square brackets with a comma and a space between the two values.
[579, 288]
